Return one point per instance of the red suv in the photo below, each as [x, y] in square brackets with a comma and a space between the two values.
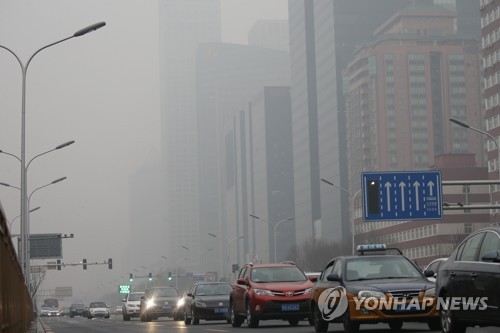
[270, 291]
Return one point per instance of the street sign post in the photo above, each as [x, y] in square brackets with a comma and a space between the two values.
[411, 195]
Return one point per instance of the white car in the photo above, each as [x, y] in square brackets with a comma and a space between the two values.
[434, 266]
[49, 312]
[98, 309]
[132, 305]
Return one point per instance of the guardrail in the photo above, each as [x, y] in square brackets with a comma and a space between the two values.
[16, 306]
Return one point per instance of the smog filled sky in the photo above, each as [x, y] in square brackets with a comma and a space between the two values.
[101, 90]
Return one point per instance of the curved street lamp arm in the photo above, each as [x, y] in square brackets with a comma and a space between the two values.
[52, 182]
[8, 185]
[6, 153]
[62, 145]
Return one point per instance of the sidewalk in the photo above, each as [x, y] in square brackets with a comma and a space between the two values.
[37, 326]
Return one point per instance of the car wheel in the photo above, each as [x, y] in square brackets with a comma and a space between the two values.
[349, 325]
[396, 325]
[434, 324]
[449, 324]
[252, 321]
[196, 321]
[234, 319]
[320, 325]
[126, 317]
[293, 322]
[89, 317]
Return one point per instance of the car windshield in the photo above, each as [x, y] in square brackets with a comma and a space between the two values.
[277, 274]
[78, 306]
[213, 289]
[135, 297]
[164, 292]
[380, 268]
[98, 305]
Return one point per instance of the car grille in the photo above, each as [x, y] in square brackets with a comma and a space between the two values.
[405, 294]
[214, 304]
[284, 293]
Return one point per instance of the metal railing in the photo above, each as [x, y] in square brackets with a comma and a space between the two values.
[16, 306]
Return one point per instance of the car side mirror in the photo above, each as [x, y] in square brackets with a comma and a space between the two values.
[190, 295]
[242, 282]
[493, 256]
[333, 277]
[313, 278]
[124, 300]
[429, 273]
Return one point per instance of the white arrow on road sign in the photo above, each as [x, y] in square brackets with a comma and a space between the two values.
[416, 186]
[402, 186]
[430, 184]
[388, 189]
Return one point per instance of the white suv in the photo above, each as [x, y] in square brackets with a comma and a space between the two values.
[132, 305]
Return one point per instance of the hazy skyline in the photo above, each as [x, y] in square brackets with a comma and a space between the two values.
[100, 90]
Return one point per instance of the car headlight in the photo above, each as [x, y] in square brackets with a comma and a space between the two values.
[365, 294]
[200, 304]
[180, 302]
[150, 303]
[308, 291]
[263, 292]
[430, 292]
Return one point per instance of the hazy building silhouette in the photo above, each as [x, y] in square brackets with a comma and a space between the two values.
[184, 24]
[228, 76]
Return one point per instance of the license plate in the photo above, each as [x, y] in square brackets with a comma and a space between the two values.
[290, 307]
[166, 307]
[405, 307]
[220, 310]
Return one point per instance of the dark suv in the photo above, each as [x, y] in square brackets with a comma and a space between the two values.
[160, 302]
[78, 309]
[469, 279]
[270, 291]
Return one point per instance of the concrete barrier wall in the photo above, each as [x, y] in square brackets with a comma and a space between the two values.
[16, 307]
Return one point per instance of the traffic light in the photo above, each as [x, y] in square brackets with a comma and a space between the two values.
[150, 276]
[131, 277]
[58, 264]
[236, 268]
[373, 196]
[84, 261]
[169, 276]
[110, 263]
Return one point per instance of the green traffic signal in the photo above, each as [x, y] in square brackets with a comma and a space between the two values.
[169, 276]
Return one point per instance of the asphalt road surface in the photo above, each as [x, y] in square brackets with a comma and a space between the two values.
[116, 324]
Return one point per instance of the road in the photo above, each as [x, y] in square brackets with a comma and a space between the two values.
[116, 324]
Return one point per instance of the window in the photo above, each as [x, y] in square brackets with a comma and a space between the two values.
[468, 250]
[327, 272]
[491, 243]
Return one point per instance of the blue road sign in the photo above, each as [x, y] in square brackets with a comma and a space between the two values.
[402, 195]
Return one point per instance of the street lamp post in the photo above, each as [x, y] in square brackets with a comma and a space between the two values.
[351, 197]
[461, 123]
[228, 247]
[275, 226]
[12, 221]
[24, 207]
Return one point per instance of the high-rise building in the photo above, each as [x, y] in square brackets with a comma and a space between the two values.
[184, 24]
[401, 91]
[323, 36]
[490, 42]
[272, 34]
[228, 76]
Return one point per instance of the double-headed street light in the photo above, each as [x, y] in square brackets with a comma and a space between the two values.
[24, 207]
[15, 218]
[228, 247]
[275, 226]
[351, 197]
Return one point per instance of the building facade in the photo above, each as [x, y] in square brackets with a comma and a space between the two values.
[184, 24]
